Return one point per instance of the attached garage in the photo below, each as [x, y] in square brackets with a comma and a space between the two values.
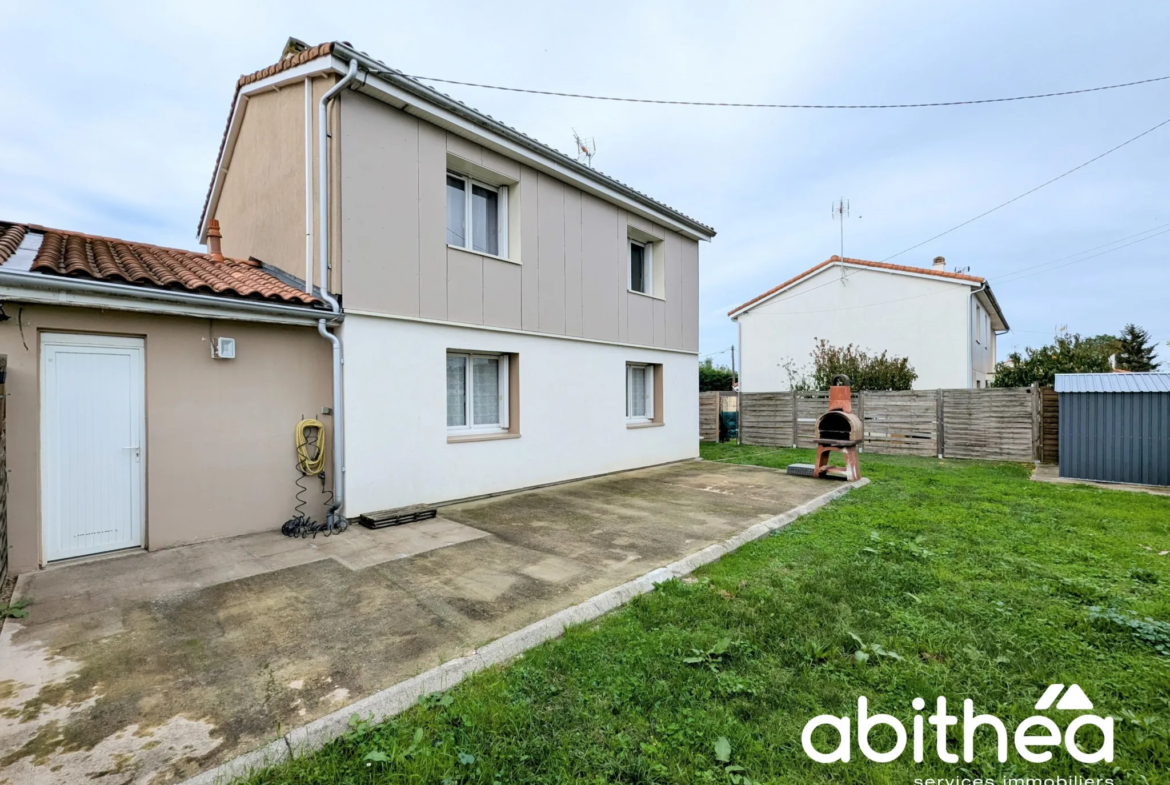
[128, 426]
[1115, 427]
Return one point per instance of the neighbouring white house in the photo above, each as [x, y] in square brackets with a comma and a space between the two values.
[510, 316]
[945, 322]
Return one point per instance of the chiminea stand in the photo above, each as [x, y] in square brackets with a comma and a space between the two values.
[838, 430]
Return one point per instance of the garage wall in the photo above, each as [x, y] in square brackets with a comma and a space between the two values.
[572, 413]
[219, 433]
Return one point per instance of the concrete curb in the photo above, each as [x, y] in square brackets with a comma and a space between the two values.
[400, 697]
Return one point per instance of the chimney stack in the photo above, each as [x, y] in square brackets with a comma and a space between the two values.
[940, 263]
[213, 237]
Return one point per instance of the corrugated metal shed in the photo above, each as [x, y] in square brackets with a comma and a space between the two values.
[1109, 437]
[1112, 382]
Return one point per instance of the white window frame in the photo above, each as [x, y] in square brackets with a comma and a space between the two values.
[647, 267]
[648, 369]
[469, 396]
[501, 218]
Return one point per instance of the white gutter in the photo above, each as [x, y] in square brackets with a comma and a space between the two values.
[57, 288]
[309, 184]
[338, 502]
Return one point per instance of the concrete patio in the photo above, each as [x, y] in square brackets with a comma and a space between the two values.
[153, 667]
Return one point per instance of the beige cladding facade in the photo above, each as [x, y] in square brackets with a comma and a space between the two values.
[219, 447]
[567, 267]
[261, 207]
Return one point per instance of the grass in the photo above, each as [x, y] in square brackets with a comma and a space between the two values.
[955, 578]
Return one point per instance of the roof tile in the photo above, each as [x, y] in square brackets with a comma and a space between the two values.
[77, 255]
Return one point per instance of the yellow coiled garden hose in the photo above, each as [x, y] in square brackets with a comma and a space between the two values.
[310, 447]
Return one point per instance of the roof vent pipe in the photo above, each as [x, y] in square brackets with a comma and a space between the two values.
[213, 240]
[338, 502]
[940, 263]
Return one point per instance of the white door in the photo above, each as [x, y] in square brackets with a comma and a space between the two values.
[92, 456]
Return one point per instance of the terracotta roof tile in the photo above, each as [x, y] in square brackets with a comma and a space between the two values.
[880, 265]
[10, 239]
[77, 255]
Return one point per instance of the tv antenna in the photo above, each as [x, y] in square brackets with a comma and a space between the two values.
[840, 213]
[586, 148]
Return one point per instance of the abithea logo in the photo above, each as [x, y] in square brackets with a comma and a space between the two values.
[1028, 746]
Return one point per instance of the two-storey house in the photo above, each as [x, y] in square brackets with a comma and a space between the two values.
[512, 317]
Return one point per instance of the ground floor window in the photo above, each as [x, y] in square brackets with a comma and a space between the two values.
[643, 393]
[477, 392]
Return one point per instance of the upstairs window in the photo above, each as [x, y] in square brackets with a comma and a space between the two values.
[641, 267]
[477, 215]
[477, 392]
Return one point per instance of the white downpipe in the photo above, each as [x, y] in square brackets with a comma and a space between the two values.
[323, 184]
[323, 268]
[308, 185]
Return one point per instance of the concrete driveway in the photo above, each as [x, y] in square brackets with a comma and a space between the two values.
[152, 667]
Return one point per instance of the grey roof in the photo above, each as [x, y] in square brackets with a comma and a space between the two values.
[404, 81]
[1112, 382]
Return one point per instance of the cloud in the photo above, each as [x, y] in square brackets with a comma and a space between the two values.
[121, 108]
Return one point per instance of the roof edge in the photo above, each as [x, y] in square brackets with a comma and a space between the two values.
[881, 266]
[345, 52]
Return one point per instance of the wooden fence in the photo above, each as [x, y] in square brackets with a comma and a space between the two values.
[709, 416]
[1013, 424]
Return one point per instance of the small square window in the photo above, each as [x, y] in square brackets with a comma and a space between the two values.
[477, 392]
[477, 215]
[641, 267]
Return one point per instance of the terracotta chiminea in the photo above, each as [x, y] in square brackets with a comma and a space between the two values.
[213, 239]
[839, 430]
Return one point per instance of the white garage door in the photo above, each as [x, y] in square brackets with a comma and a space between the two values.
[92, 458]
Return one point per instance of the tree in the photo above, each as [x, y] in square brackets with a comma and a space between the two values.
[865, 371]
[712, 377]
[1067, 354]
[1135, 350]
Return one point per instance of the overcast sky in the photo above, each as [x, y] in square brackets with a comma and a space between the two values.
[113, 114]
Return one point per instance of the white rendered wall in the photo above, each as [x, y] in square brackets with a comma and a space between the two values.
[572, 414]
[923, 319]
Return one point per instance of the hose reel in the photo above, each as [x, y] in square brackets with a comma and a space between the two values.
[311, 461]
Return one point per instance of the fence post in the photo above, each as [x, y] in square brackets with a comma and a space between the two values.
[1037, 434]
[939, 430]
[860, 413]
[794, 419]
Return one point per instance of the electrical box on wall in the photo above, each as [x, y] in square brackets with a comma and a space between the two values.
[224, 349]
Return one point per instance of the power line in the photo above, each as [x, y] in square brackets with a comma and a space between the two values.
[1094, 256]
[1014, 273]
[1032, 191]
[924, 105]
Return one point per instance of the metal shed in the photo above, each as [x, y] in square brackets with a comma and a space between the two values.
[1115, 427]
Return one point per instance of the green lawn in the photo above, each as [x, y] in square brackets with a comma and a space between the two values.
[974, 581]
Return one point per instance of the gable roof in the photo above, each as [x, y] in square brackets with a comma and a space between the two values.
[55, 252]
[345, 52]
[884, 266]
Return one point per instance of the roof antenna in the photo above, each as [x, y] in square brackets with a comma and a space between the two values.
[586, 148]
[840, 213]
